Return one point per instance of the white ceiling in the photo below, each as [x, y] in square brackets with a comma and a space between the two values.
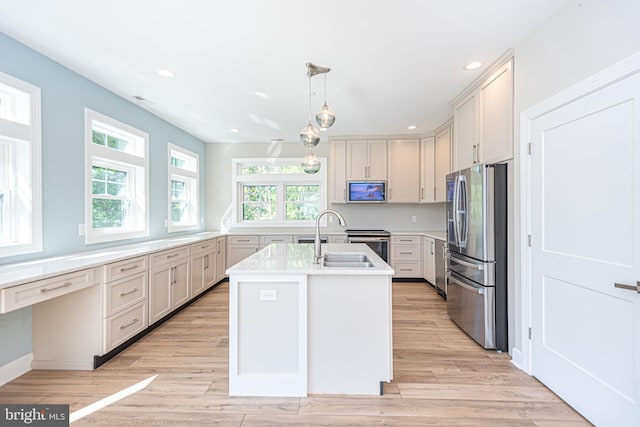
[241, 63]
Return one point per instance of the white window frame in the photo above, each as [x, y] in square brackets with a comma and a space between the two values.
[281, 181]
[135, 160]
[22, 181]
[191, 178]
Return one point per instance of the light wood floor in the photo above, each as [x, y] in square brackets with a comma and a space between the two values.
[441, 378]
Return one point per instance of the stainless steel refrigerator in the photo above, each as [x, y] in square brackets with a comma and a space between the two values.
[477, 253]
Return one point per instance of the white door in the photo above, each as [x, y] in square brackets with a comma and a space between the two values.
[585, 230]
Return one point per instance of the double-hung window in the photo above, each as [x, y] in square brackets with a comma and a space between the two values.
[277, 192]
[20, 168]
[183, 189]
[117, 180]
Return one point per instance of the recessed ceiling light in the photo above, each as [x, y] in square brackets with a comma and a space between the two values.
[412, 127]
[166, 73]
[473, 65]
[234, 130]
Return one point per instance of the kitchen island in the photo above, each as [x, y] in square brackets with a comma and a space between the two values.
[298, 328]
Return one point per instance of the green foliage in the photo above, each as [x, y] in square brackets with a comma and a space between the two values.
[109, 213]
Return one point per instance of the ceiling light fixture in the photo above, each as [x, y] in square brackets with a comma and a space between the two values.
[310, 135]
[411, 127]
[473, 65]
[234, 130]
[166, 73]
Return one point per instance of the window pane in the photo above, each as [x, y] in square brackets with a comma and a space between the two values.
[110, 213]
[109, 181]
[256, 193]
[259, 211]
[15, 105]
[98, 138]
[269, 169]
[177, 211]
[303, 202]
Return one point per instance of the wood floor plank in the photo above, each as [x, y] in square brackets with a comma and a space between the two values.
[441, 378]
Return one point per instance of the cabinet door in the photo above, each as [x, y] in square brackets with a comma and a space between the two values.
[210, 272]
[198, 268]
[404, 170]
[427, 172]
[465, 133]
[220, 259]
[496, 115]
[235, 254]
[338, 172]
[442, 163]
[180, 288]
[160, 279]
[357, 165]
[377, 160]
[429, 251]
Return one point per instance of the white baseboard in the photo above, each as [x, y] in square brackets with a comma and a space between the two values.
[74, 365]
[14, 369]
[516, 358]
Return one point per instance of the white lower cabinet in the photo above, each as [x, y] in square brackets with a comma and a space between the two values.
[221, 258]
[240, 247]
[406, 257]
[429, 263]
[168, 282]
[203, 266]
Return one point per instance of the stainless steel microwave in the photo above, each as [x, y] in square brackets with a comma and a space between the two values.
[366, 191]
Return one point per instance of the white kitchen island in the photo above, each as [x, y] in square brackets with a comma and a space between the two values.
[297, 328]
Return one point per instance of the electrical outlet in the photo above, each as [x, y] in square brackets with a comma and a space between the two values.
[81, 230]
[268, 295]
[413, 218]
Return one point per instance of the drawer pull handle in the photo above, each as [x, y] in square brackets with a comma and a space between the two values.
[124, 294]
[204, 246]
[133, 267]
[172, 256]
[45, 290]
[133, 322]
[406, 253]
[243, 240]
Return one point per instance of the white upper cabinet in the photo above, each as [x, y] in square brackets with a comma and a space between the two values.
[427, 170]
[465, 147]
[404, 171]
[442, 162]
[338, 172]
[366, 160]
[483, 120]
[496, 115]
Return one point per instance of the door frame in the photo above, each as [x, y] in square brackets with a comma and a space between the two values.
[631, 65]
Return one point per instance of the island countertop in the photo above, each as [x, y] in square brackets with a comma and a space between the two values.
[294, 258]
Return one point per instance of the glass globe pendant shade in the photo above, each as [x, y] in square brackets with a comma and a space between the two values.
[310, 163]
[325, 118]
[310, 135]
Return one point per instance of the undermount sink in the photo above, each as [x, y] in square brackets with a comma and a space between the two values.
[347, 260]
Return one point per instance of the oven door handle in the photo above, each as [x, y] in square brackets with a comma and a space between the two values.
[367, 239]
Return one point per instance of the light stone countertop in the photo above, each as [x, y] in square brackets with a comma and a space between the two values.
[291, 258]
[20, 273]
[440, 235]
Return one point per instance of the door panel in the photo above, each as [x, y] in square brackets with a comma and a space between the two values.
[585, 231]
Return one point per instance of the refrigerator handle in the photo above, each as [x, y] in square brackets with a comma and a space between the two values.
[456, 191]
[461, 212]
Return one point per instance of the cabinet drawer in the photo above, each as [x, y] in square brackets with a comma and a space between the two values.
[242, 240]
[406, 252]
[407, 269]
[127, 267]
[121, 327]
[405, 240]
[169, 255]
[42, 290]
[125, 293]
[204, 247]
[267, 240]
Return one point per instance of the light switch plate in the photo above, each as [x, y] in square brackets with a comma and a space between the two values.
[268, 295]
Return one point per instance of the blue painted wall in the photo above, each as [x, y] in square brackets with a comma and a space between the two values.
[65, 95]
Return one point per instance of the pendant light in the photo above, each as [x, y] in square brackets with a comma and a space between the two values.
[310, 163]
[325, 118]
[309, 135]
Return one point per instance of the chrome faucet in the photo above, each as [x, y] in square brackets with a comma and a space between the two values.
[318, 251]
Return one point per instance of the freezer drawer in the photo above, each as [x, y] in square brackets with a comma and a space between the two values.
[472, 308]
[483, 273]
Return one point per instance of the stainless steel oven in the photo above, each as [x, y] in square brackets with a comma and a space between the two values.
[377, 240]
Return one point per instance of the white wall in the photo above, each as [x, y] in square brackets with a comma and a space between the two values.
[391, 217]
[582, 38]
